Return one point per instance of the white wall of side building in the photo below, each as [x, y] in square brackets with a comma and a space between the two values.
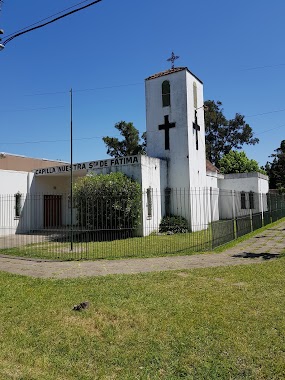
[231, 187]
[212, 185]
[11, 183]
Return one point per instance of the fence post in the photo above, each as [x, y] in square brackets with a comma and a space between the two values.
[211, 216]
[251, 222]
[233, 204]
[261, 208]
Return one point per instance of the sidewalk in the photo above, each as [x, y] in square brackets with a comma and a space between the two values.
[264, 246]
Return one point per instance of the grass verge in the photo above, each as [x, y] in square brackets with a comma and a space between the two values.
[150, 246]
[219, 323]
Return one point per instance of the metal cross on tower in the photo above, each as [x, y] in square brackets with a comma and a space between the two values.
[197, 129]
[166, 126]
[172, 59]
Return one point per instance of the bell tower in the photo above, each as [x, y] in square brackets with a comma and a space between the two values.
[176, 132]
[175, 125]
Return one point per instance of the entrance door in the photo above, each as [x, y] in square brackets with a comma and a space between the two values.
[52, 210]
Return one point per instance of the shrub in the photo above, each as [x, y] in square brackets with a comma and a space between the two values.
[174, 223]
[107, 202]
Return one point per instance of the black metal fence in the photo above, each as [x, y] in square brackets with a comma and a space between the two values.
[176, 221]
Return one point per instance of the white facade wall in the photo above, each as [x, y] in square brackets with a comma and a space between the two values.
[154, 178]
[12, 182]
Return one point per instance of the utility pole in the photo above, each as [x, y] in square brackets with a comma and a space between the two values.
[71, 174]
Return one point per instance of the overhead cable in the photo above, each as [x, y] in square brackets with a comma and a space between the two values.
[46, 18]
[49, 22]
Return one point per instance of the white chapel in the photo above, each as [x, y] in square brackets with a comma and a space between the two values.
[175, 176]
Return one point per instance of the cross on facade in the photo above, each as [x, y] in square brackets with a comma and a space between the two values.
[166, 126]
[196, 128]
[172, 59]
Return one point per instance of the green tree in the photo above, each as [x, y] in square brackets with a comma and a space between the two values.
[107, 202]
[223, 135]
[238, 162]
[131, 143]
[276, 169]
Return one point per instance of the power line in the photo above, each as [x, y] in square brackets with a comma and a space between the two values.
[269, 130]
[128, 85]
[32, 109]
[53, 141]
[263, 67]
[46, 18]
[266, 113]
[49, 22]
[86, 89]
[100, 137]
[48, 93]
[109, 87]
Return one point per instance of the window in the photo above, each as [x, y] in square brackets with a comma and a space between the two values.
[195, 95]
[165, 93]
[149, 202]
[18, 204]
[69, 201]
[167, 193]
[242, 200]
[251, 200]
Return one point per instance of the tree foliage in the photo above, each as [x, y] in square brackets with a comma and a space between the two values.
[238, 162]
[107, 202]
[276, 169]
[223, 135]
[131, 143]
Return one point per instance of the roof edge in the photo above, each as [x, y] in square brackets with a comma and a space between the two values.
[172, 71]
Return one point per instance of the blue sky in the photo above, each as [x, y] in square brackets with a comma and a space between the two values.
[106, 51]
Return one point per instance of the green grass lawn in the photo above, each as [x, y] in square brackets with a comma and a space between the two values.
[149, 246]
[218, 323]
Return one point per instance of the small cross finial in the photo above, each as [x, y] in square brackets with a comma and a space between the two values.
[172, 59]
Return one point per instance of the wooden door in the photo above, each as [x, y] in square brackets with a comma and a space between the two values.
[52, 211]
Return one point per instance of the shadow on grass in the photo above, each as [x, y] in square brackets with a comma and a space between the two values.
[276, 229]
[264, 256]
[90, 236]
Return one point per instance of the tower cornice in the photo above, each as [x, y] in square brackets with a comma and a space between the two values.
[172, 71]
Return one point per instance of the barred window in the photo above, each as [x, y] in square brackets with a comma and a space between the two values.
[165, 93]
[251, 200]
[149, 202]
[18, 204]
[242, 200]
